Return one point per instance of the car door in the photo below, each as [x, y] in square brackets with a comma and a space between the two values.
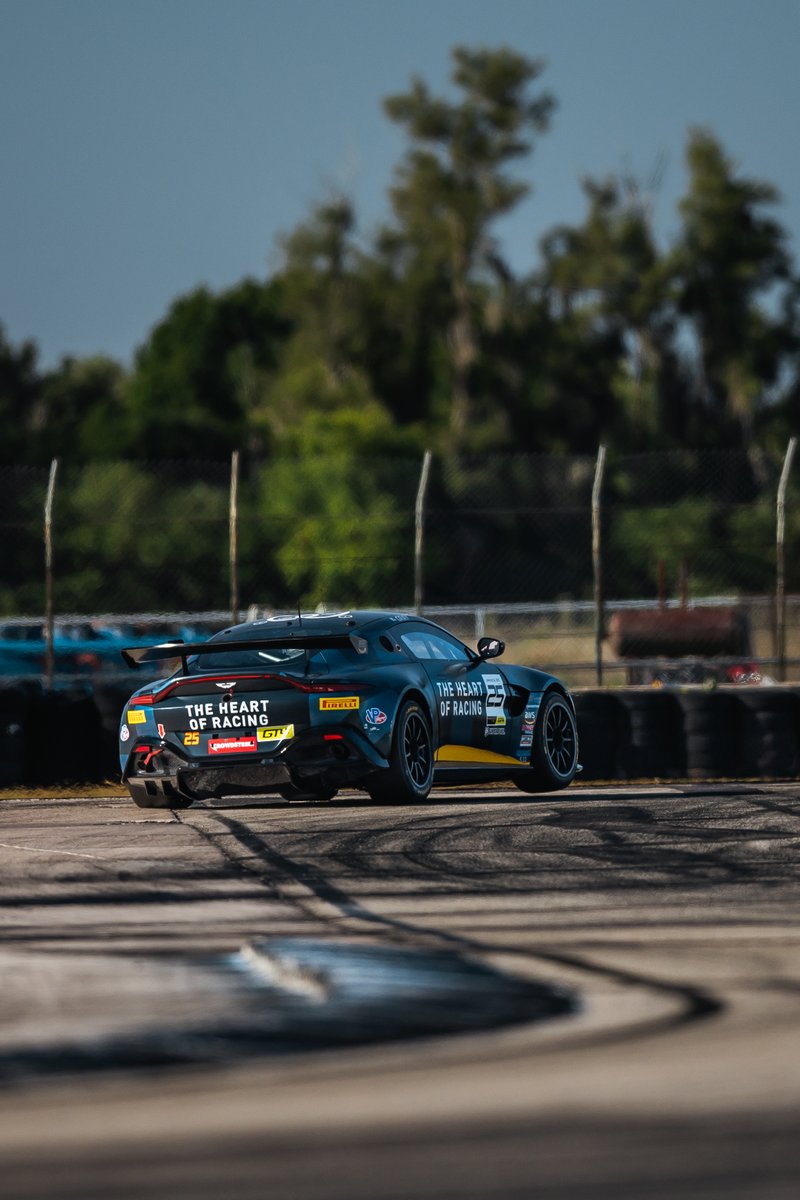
[476, 725]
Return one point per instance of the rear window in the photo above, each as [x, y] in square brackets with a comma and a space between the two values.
[278, 657]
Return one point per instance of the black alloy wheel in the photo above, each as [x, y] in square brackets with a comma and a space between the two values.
[554, 755]
[409, 776]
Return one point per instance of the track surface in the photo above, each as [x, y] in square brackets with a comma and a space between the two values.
[671, 911]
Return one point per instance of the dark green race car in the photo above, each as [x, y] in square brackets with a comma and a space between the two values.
[304, 705]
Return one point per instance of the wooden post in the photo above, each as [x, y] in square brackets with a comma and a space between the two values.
[419, 531]
[233, 537]
[49, 662]
[597, 562]
[780, 562]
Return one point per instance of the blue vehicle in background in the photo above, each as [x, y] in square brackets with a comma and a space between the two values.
[82, 648]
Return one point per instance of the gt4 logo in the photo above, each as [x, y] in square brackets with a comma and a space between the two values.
[275, 733]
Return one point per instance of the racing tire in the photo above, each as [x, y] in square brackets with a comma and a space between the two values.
[409, 776]
[554, 754]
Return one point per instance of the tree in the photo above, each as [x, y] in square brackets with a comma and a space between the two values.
[733, 265]
[329, 503]
[196, 378]
[453, 185]
[20, 391]
[81, 414]
[606, 284]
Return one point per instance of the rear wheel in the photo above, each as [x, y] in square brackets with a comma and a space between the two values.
[554, 755]
[409, 776]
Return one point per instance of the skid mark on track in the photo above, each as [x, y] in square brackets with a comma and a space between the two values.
[338, 909]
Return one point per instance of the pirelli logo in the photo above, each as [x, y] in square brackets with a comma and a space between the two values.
[276, 733]
[136, 716]
[338, 703]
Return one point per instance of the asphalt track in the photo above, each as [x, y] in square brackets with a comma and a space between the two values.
[670, 914]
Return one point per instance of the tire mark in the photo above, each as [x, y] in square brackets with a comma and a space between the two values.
[695, 1003]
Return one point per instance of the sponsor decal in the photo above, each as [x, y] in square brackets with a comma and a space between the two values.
[528, 722]
[495, 697]
[375, 716]
[191, 739]
[338, 703]
[231, 745]
[275, 733]
[460, 697]
[137, 716]
[226, 713]
[124, 733]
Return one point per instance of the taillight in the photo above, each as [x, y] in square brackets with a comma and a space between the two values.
[303, 685]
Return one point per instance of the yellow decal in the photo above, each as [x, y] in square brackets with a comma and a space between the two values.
[136, 716]
[338, 702]
[469, 754]
[276, 733]
[191, 739]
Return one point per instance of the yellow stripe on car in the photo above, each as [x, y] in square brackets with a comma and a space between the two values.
[471, 754]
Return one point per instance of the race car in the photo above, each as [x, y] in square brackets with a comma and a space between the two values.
[303, 705]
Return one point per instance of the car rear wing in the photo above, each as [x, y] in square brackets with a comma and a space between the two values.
[135, 656]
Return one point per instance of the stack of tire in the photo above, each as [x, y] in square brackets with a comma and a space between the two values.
[57, 737]
[63, 739]
[70, 737]
[110, 699]
[16, 705]
[723, 733]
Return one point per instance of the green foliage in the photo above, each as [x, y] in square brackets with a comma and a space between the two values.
[730, 259]
[453, 185]
[19, 394]
[357, 351]
[192, 385]
[339, 525]
[128, 537]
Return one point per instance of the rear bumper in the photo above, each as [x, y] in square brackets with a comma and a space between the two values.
[335, 756]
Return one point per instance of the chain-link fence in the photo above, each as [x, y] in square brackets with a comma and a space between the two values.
[662, 567]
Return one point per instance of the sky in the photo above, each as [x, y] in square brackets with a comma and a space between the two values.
[148, 147]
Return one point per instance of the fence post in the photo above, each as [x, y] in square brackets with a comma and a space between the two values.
[597, 562]
[780, 562]
[233, 537]
[419, 530]
[49, 661]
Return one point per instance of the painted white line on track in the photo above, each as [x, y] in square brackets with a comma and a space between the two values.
[44, 850]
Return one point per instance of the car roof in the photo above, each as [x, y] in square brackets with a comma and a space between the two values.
[321, 624]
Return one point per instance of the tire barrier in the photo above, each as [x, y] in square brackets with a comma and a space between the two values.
[597, 734]
[15, 709]
[650, 739]
[723, 733]
[769, 744]
[64, 739]
[70, 737]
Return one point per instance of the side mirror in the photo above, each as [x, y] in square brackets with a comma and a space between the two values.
[490, 647]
